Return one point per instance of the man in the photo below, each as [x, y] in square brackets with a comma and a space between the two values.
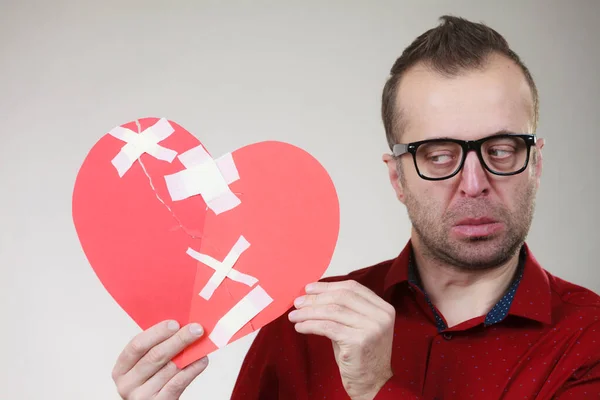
[464, 311]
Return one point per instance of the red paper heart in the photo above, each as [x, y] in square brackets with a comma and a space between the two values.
[135, 237]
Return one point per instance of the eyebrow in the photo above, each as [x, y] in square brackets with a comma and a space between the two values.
[503, 132]
[497, 133]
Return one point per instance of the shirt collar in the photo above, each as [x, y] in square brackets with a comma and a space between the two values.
[532, 299]
[398, 271]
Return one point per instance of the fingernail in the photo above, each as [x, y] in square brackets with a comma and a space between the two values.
[196, 329]
[173, 325]
[299, 301]
[310, 287]
[292, 314]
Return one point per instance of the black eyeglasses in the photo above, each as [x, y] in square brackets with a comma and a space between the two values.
[438, 159]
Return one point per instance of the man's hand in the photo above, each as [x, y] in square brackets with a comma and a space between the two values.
[144, 369]
[361, 326]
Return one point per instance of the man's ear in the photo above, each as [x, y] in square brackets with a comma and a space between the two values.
[392, 167]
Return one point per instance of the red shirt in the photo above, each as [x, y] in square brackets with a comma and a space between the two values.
[545, 344]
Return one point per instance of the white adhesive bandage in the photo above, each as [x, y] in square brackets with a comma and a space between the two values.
[140, 143]
[206, 177]
[223, 269]
[239, 315]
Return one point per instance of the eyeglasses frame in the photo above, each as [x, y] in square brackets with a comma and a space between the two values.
[400, 149]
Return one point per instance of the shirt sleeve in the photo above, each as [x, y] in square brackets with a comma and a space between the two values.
[585, 386]
[257, 379]
[584, 383]
[393, 390]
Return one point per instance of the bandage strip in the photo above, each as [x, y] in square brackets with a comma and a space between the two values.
[140, 143]
[223, 269]
[206, 177]
[239, 315]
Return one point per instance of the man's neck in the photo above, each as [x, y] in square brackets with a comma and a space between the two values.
[461, 295]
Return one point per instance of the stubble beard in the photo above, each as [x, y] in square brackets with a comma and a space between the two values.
[477, 253]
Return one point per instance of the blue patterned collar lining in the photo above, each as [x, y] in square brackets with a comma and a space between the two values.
[496, 314]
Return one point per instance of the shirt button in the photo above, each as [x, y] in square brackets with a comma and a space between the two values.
[447, 335]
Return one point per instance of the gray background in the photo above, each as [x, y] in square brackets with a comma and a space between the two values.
[234, 73]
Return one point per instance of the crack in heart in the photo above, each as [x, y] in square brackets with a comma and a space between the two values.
[181, 226]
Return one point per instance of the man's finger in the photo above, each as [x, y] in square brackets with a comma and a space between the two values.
[339, 300]
[351, 300]
[141, 344]
[329, 329]
[155, 383]
[350, 285]
[330, 312]
[158, 356]
[178, 383]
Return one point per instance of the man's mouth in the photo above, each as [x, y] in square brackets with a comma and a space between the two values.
[477, 227]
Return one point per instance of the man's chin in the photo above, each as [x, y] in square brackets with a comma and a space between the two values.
[478, 252]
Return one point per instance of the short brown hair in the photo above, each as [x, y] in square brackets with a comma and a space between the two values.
[455, 45]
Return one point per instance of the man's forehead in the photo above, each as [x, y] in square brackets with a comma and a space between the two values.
[469, 105]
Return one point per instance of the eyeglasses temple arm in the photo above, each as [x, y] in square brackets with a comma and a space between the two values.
[399, 149]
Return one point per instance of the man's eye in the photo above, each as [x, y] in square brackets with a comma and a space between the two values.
[440, 158]
[501, 152]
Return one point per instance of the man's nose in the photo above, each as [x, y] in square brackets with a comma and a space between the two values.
[474, 180]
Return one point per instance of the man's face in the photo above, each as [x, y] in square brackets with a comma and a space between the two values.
[475, 219]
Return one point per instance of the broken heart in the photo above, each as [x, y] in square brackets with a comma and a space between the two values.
[174, 234]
